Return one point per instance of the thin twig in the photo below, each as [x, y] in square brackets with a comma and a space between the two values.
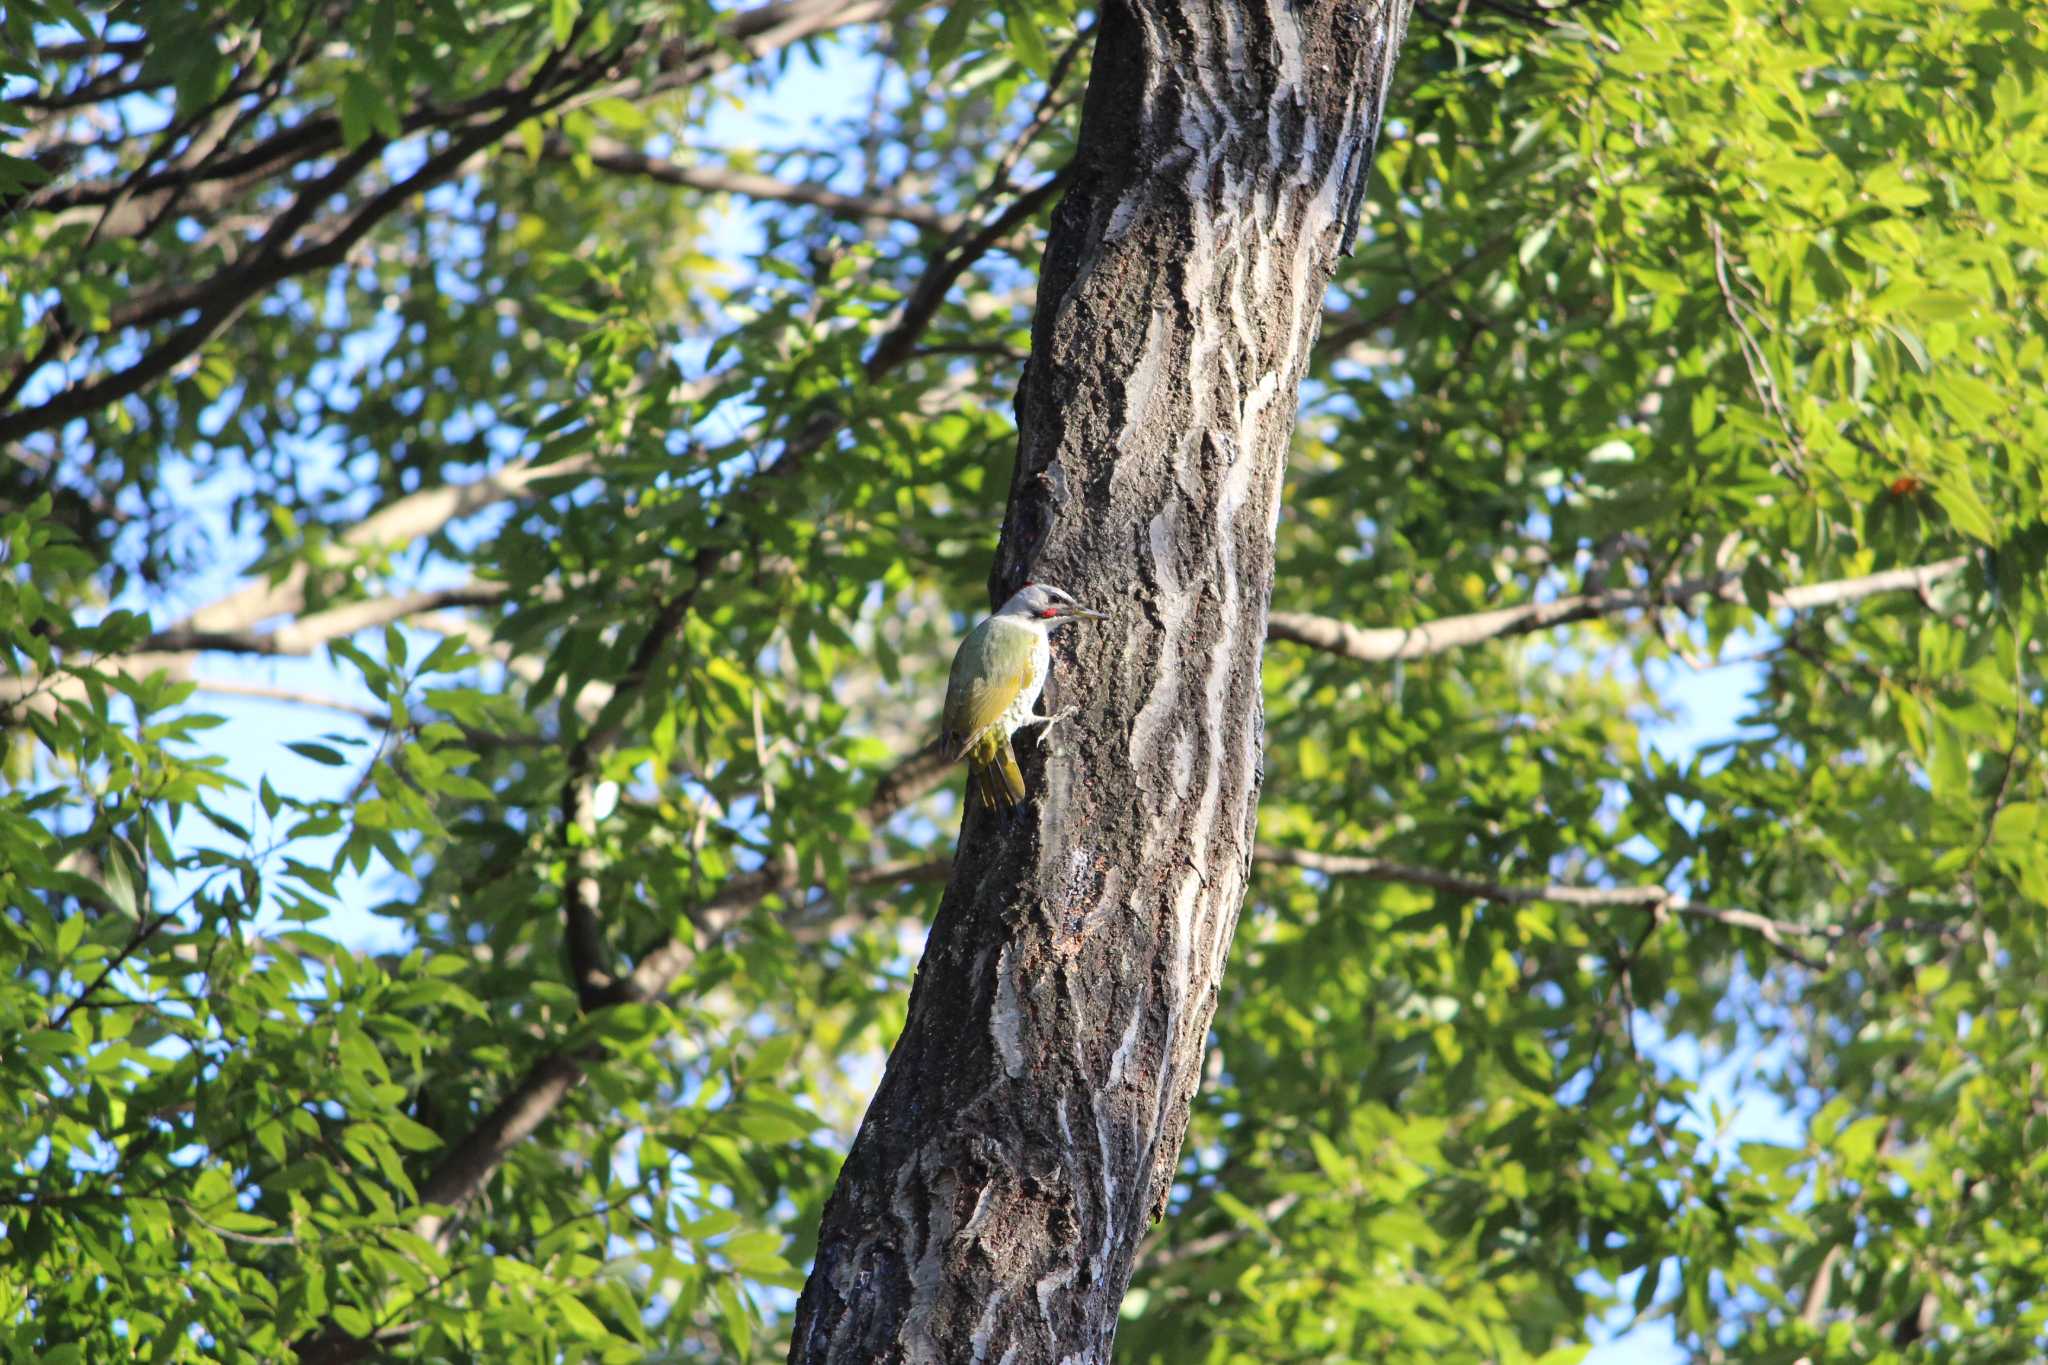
[1760, 377]
[145, 929]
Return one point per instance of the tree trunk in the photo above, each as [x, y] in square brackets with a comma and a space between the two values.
[1029, 1125]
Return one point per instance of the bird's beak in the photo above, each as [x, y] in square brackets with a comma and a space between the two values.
[1081, 614]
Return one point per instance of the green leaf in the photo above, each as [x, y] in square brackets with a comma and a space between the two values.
[122, 879]
[1958, 497]
[18, 173]
[1914, 347]
[1022, 26]
[2018, 829]
[951, 33]
[70, 933]
[365, 110]
[562, 17]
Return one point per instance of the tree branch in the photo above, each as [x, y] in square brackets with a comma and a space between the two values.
[588, 703]
[1343, 330]
[1385, 644]
[900, 341]
[145, 929]
[1154, 1257]
[71, 51]
[750, 34]
[172, 650]
[222, 298]
[898, 872]
[308, 633]
[753, 34]
[232, 687]
[608, 154]
[1658, 901]
[236, 289]
[399, 523]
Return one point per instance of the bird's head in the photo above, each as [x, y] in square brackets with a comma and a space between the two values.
[1044, 602]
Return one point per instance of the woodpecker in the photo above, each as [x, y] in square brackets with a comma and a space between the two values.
[998, 672]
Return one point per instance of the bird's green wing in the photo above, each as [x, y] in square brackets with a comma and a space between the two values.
[989, 670]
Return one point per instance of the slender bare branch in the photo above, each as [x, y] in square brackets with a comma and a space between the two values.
[174, 651]
[900, 340]
[1385, 644]
[853, 918]
[609, 154]
[235, 687]
[749, 35]
[236, 288]
[902, 872]
[399, 524]
[1343, 330]
[1780, 934]
[1656, 900]
[71, 51]
[145, 929]
[225, 295]
[744, 36]
[1761, 378]
[590, 701]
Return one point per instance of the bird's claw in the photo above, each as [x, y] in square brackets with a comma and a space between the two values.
[1045, 728]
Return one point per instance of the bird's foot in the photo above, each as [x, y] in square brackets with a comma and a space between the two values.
[1047, 722]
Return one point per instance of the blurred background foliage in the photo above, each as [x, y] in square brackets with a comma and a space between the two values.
[490, 493]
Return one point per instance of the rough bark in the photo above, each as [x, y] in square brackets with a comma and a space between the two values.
[1029, 1124]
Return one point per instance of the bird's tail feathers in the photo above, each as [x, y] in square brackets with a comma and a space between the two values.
[984, 795]
[997, 779]
[1010, 776]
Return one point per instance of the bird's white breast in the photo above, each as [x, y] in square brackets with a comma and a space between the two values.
[1024, 704]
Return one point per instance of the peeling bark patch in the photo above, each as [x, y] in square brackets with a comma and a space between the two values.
[1174, 607]
[1006, 1019]
[984, 1332]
